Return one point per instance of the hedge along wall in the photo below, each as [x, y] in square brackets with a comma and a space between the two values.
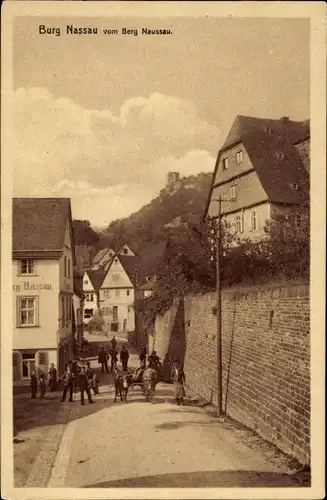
[266, 358]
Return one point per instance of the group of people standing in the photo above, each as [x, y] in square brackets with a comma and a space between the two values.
[40, 382]
[79, 375]
[104, 357]
[154, 371]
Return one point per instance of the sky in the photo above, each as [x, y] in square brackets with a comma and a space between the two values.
[103, 119]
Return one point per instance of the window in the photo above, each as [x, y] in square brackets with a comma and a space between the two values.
[238, 223]
[233, 192]
[239, 157]
[65, 267]
[254, 222]
[115, 278]
[68, 268]
[88, 313]
[28, 365]
[117, 293]
[294, 186]
[125, 251]
[66, 310]
[62, 312]
[225, 163]
[86, 282]
[127, 292]
[27, 266]
[27, 311]
[106, 294]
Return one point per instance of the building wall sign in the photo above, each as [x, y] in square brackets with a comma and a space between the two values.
[27, 286]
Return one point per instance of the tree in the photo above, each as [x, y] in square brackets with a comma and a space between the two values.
[84, 234]
[287, 246]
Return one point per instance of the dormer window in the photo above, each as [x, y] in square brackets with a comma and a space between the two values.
[125, 251]
[239, 157]
[27, 266]
[280, 155]
[294, 186]
[225, 163]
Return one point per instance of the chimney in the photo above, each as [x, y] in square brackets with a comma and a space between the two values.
[285, 119]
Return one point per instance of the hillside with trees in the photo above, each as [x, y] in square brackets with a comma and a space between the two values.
[146, 231]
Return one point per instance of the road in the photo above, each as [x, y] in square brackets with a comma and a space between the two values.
[139, 444]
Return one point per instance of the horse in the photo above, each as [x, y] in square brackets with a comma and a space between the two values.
[122, 384]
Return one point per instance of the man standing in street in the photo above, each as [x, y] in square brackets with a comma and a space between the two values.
[114, 360]
[84, 386]
[103, 360]
[68, 384]
[124, 355]
[149, 382]
[52, 378]
[142, 354]
[113, 343]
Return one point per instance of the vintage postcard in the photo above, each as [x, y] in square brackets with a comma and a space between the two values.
[163, 249]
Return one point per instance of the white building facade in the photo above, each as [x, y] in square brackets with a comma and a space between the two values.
[91, 304]
[117, 295]
[43, 285]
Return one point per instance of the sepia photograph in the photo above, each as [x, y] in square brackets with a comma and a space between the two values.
[161, 174]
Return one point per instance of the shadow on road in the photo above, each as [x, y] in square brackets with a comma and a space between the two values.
[206, 479]
[30, 414]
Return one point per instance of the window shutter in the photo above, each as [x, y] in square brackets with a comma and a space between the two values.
[17, 365]
[43, 361]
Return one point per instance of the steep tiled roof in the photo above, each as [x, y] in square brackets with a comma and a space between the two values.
[96, 278]
[269, 144]
[279, 168]
[101, 254]
[291, 130]
[39, 225]
[148, 285]
[131, 265]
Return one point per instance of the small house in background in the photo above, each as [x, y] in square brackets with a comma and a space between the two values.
[92, 281]
[43, 285]
[261, 171]
[146, 290]
[102, 258]
[126, 250]
[117, 293]
[78, 314]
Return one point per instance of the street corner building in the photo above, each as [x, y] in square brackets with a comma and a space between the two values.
[44, 322]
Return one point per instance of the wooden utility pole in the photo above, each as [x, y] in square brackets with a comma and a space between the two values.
[218, 313]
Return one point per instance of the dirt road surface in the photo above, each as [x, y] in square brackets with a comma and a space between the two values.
[138, 444]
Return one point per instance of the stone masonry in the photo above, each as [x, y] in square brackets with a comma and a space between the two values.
[266, 358]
